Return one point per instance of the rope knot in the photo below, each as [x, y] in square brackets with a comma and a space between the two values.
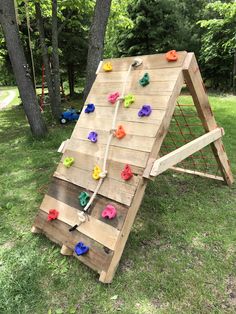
[103, 174]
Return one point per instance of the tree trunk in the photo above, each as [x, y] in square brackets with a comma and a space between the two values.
[45, 57]
[71, 78]
[21, 68]
[96, 41]
[55, 60]
[234, 74]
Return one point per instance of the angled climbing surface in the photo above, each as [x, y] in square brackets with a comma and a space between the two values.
[109, 212]
[129, 99]
[96, 172]
[126, 173]
[89, 108]
[93, 137]
[145, 80]
[52, 214]
[145, 111]
[84, 198]
[171, 56]
[68, 162]
[81, 248]
[107, 67]
[120, 132]
[112, 98]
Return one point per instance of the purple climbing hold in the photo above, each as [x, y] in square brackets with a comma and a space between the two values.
[145, 111]
[90, 108]
[81, 249]
[93, 136]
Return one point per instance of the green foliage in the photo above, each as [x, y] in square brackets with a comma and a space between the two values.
[219, 43]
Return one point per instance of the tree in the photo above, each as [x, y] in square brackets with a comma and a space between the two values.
[20, 68]
[96, 41]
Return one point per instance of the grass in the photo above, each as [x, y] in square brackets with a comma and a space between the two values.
[180, 256]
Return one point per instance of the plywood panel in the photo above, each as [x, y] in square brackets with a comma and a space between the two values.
[93, 228]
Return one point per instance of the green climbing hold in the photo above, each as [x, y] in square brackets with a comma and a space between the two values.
[129, 99]
[83, 198]
[145, 80]
[68, 162]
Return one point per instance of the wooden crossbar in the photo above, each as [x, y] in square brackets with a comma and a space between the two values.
[173, 158]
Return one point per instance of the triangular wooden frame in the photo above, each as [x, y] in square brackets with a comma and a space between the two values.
[107, 239]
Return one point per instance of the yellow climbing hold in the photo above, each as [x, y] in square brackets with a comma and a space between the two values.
[107, 67]
[68, 162]
[96, 172]
[129, 99]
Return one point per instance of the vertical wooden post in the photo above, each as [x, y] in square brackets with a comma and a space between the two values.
[195, 85]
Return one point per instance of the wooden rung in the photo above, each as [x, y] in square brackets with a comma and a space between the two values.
[173, 158]
[197, 173]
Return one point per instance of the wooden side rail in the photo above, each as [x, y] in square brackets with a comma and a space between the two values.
[173, 158]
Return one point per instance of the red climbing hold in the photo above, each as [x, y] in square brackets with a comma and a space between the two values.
[171, 56]
[126, 174]
[109, 212]
[53, 214]
[120, 132]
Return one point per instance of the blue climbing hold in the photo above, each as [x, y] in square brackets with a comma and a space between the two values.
[93, 136]
[145, 111]
[81, 249]
[90, 108]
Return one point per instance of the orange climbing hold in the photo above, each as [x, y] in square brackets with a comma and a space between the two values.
[120, 132]
[171, 55]
[107, 67]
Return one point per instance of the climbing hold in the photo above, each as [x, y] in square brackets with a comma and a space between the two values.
[120, 132]
[129, 99]
[113, 97]
[107, 67]
[68, 162]
[109, 212]
[171, 56]
[93, 136]
[52, 214]
[145, 111]
[84, 198]
[145, 80]
[81, 249]
[96, 172]
[90, 108]
[126, 174]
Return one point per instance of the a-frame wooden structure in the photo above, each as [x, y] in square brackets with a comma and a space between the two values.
[139, 148]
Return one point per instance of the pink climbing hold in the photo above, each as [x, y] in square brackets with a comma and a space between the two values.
[109, 212]
[112, 98]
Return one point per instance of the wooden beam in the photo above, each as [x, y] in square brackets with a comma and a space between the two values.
[173, 158]
[195, 85]
[197, 173]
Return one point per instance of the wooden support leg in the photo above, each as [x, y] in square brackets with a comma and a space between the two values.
[35, 230]
[65, 250]
[195, 85]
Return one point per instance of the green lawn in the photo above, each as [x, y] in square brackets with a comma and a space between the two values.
[180, 256]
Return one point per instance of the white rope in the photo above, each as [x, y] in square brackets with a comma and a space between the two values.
[111, 135]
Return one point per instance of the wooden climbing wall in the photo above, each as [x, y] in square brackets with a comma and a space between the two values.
[106, 238]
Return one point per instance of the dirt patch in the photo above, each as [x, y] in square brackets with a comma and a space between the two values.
[231, 291]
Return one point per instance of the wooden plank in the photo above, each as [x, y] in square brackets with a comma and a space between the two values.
[197, 173]
[156, 61]
[132, 128]
[116, 190]
[134, 142]
[87, 162]
[92, 228]
[156, 75]
[173, 158]
[119, 154]
[124, 114]
[194, 83]
[57, 231]
[68, 193]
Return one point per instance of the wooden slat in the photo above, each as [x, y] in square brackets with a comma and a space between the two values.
[149, 62]
[68, 193]
[119, 154]
[57, 231]
[133, 142]
[197, 173]
[178, 155]
[116, 190]
[93, 228]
